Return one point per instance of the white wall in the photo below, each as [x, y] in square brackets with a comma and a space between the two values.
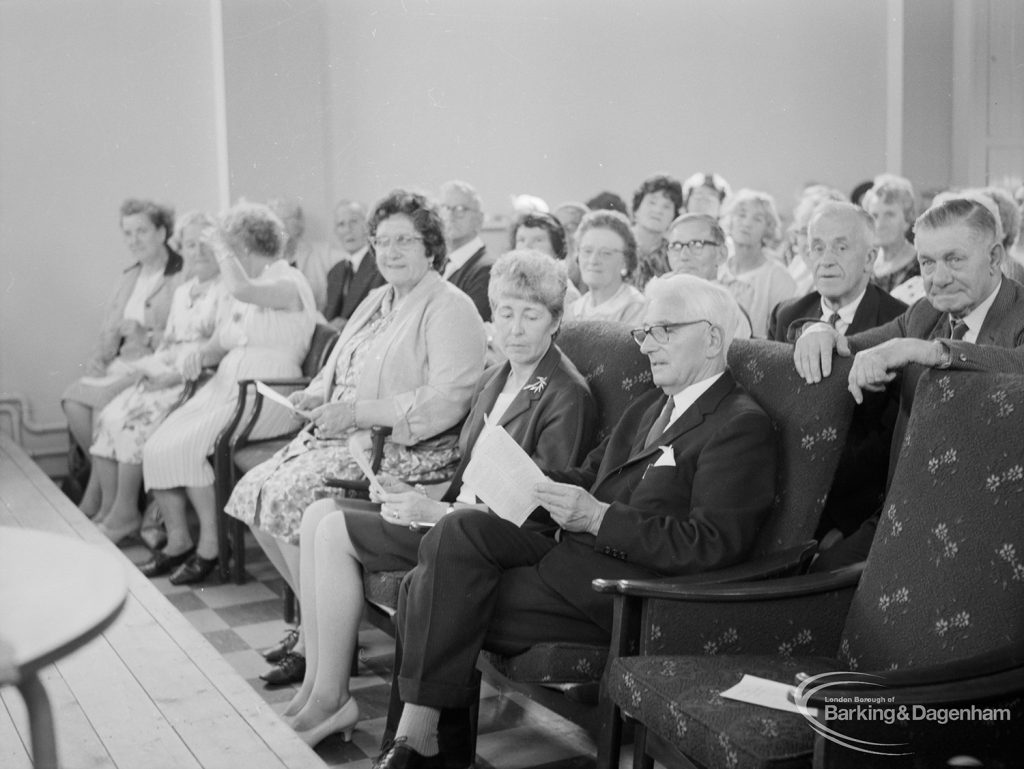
[563, 99]
[98, 101]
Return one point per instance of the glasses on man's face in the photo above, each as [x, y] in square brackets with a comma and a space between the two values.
[695, 247]
[601, 253]
[456, 210]
[659, 332]
[401, 242]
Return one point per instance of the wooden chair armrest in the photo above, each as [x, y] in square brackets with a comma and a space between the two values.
[766, 590]
[995, 674]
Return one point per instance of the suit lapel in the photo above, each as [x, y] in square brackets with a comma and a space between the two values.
[867, 312]
[467, 265]
[534, 387]
[996, 314]
[688, 420]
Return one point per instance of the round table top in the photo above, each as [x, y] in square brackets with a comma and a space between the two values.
[56, 594]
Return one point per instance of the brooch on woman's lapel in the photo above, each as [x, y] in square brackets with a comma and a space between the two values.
[537, 386]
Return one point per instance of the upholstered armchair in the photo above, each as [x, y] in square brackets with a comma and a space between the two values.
[936, 615]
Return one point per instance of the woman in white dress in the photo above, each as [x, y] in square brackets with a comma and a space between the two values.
[265, 334]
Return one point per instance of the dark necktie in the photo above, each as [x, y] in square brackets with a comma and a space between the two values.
[660, 423]
[832, 319]
[958, 330]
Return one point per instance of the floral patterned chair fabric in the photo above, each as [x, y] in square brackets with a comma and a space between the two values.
[811, 421]
[937, 611]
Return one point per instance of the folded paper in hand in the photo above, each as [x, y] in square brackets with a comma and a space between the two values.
[273, 395]
[766, 693]
[502, 475]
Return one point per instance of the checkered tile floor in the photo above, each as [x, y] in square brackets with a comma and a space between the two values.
[238, 620]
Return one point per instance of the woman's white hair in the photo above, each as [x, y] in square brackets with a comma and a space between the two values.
[700, 299]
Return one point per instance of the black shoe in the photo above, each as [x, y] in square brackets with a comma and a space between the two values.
[398, 755]
[290, 670]
[195, 569]
[161, 563]
[277, 653]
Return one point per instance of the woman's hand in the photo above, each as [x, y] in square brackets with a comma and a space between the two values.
[304, 401]
[391, 485]
[332, 420]
[403, 508]
[192, 365]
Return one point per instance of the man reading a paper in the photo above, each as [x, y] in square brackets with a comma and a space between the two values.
[681, 485]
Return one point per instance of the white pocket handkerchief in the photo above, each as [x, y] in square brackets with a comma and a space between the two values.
[667, 458]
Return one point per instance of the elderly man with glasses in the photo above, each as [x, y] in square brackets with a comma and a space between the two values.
[681, 485]
[469, 265]
[696, 246]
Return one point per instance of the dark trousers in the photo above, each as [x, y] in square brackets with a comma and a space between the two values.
[477, 586]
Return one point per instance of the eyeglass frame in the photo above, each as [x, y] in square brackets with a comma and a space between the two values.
[678, 245]
[402, 242]
[457, 211]
[666, 329]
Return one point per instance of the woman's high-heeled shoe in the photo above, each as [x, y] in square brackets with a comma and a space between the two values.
[343, 721]
[195, 569]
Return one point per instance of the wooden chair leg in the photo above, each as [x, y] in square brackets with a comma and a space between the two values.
[609, 743]
[289, 604]
[223, 546]
[238, 551]
[640, 758]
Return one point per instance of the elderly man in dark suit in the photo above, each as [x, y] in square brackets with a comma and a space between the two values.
[841, 256]
[972, 318]
[681, 485]
[469, 265]
[352, 278]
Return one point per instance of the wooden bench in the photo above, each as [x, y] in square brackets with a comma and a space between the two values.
[150, 691]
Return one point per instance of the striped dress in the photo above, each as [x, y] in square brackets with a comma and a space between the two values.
[263, 343]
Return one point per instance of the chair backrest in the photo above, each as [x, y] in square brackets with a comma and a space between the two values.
[944, 578]
[320, 346]
[612, 364]
[811, 424]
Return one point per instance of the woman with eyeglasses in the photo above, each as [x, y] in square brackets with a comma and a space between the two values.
[407, 359]
[607, 254]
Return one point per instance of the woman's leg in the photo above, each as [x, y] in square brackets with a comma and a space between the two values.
[79, 423]
[271, 545]
[173, 506]
[332, 622]
[124, 512]
[104, 471]
[311, 519]
[92, 497]
[204, 500]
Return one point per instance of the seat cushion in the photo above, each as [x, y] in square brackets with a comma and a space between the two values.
[257, 453]
[679, 699]
[381, 587]
[562, 663]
